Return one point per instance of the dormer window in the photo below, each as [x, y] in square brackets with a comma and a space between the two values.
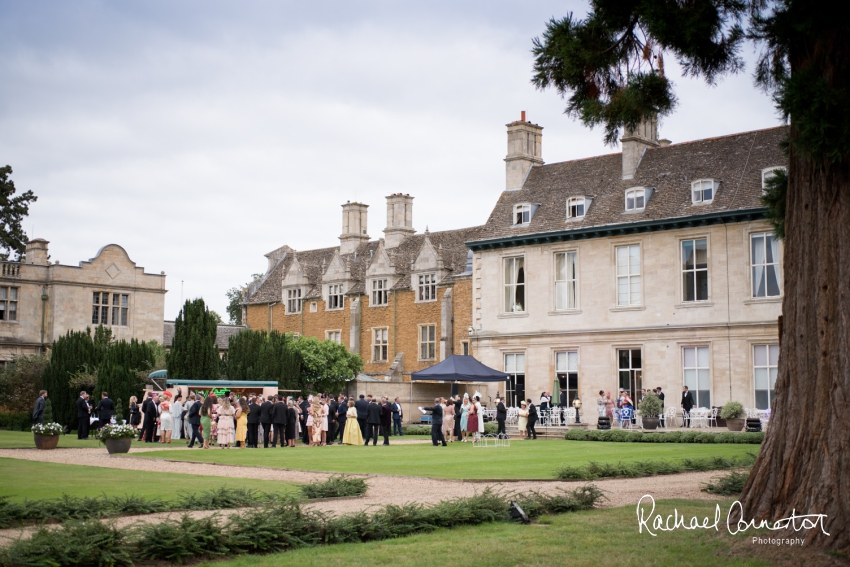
[703, 191]
[575, 207]
[522, 214]
[293, 300]
[336, 299]
[769, 173]
[427, 287]
[635, 199]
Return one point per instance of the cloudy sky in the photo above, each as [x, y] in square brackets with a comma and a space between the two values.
[200, 135]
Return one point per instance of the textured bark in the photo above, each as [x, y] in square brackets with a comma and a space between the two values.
[804, 464]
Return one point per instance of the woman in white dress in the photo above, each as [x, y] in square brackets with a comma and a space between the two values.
[480, 415]
[166, 424]
[177, 417]
[226, 424]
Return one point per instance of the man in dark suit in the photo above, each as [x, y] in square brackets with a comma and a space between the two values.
[563, 401]
[194, 417]
[362, 407]
[458, 410]
[501, 417]
[436, 422]
[83, 411]
[38, 409]
[253, 423]
[386, 419]
[144, 411]
[279, 421]
[373, 422]
[266, 420]
[342, 416]
[332, 423]
[105, 409]
[397, 417]
[532, 420]
[687, 404]
[151, 415]
[660, 395]
[305, 411]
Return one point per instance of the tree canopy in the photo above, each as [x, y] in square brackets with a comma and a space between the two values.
[194, 354]
[257, 355]
[13, 209]
[325, 365]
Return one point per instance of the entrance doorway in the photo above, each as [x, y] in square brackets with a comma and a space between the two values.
[631, 372]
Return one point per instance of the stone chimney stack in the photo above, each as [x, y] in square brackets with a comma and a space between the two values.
[353, 227]
[399, 220]
[37, 252]
[525, 149]
[635, 142]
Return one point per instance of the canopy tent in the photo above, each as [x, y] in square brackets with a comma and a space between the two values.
[459, 368]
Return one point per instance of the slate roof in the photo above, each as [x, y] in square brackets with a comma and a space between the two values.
[735, 161]
[449, 244]
[222, 335]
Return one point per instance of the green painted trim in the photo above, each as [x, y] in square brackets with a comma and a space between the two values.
[617, 229]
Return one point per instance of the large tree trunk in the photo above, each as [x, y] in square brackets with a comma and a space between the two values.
[804, 464]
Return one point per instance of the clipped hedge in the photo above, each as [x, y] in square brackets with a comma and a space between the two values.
[278, 527]
[621, 436]
[335, 487]
[16, 421]
[593, 470]
[490, 428]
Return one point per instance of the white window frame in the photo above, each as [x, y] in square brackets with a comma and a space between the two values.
[511, 288]
[9, 303]
[566, 362]
[576, 202]
[428, 331]
[695, 270]
[512, 370]
[103, 306]
[293, 300]
[631, 276]
[522, 214]
[767, 173]
[336, 297]
[379, 296]
[380, 344]
[765, 265]
[700, 372]
[334, 335]
[698, 190]
[426, 287]
[769, 371]
[636, 193]
[566, 288]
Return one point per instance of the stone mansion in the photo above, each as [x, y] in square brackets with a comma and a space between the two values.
[651, 267]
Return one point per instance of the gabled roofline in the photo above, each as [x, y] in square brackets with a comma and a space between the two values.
[602, 231]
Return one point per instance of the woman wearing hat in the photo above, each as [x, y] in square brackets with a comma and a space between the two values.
[464, 418]
[523, 419]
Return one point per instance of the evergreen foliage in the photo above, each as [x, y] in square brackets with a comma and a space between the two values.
[12, 212]
[20, 382]
[116, 368]
[194, 355]
[257, 355]
[47, 417]
[234, 305]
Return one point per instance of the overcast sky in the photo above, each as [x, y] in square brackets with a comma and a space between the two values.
[200, 135]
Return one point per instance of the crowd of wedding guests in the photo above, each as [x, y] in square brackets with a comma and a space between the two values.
[244, 422]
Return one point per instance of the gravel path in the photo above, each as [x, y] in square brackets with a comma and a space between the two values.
[383, 489]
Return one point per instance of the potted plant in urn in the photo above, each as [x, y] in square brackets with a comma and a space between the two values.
[733, 413]
[650, 409]
[117, 438]
[46, 435]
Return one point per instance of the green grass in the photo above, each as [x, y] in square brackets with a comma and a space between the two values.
[592, 538]
[12, 439]
[523, 459]
[36, 480]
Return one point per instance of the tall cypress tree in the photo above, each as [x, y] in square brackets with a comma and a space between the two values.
[194, 355]
[257, 355]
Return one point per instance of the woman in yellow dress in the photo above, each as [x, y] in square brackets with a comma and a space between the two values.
[242, 423]
[352, 435]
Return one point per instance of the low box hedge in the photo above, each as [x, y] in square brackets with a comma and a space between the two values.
[16, 421]
[620, 436]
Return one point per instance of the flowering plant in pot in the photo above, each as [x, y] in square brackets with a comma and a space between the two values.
[733, 413]
[46, 435]
[117, 438]
[650, 409]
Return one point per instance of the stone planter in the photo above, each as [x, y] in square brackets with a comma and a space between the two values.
[121, 445]
[735, 424]
[45, 441]
[650, 422]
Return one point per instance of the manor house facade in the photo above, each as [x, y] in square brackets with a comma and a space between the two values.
[651, 267]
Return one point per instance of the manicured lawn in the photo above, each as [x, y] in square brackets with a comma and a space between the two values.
[24, 439]
[35, 480]
[592, 538]
[523, 459]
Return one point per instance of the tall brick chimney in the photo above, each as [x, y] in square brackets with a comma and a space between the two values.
[353, 227]
[399, 220]
[635, 142]
[525, 149]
